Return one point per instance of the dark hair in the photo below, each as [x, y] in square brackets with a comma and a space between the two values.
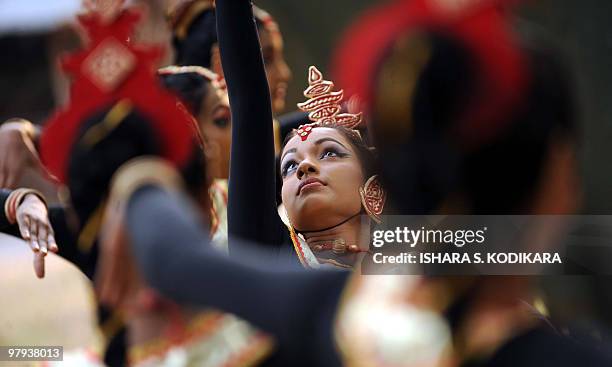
[91, 168]
[196, 47]
[500, 175]
[190, 88]
[365, 154]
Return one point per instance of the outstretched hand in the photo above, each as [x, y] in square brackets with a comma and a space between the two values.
[35, 228]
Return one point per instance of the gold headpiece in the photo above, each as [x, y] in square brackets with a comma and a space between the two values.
[324, 105]
[216, 80]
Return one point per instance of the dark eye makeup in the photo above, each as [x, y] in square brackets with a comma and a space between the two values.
[328, 152]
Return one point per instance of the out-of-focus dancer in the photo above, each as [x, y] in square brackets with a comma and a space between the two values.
[407, 321]
[112, 72]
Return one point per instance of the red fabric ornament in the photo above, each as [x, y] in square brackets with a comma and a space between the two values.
[111, 68]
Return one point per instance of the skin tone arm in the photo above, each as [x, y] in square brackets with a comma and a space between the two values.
[32, 220]
[17, 151]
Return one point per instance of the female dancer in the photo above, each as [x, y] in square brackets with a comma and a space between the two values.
[326, 169]
[310, 317]
[195, 40]
[205, 95]
[159, 323]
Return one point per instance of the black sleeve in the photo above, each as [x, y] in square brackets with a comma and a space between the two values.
[5, 226]
[67, 242]
[252, 212]
[295, 306]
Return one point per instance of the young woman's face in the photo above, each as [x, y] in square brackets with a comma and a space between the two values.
[277, 70]
[321, 180]
[216, 128]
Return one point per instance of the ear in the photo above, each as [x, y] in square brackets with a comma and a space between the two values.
[373, 198]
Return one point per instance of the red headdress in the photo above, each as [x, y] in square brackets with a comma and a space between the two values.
[111, 68]
[480, 26]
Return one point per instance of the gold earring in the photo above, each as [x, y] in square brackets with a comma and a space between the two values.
[373, 198]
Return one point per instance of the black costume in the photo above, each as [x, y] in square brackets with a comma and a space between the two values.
[252, 212]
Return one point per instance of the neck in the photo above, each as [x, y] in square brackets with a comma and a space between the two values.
[352, 232]
[349, 231]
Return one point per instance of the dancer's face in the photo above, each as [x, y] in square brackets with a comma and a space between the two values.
[321, 179]
[216, 127]
[277, 70]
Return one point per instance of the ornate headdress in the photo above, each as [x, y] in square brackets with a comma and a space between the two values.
[324, 105]
[215, 79]
[109, 69]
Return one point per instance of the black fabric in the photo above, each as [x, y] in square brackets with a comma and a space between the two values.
[196, 47]
[88, 183]
[543, 347]
[295, 306]
[5, 226]
[252, 212]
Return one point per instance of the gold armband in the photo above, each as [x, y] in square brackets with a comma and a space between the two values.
[144, 171]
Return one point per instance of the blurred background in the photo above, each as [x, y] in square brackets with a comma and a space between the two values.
[34, 32]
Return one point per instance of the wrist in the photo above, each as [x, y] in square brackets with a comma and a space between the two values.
[16, 198]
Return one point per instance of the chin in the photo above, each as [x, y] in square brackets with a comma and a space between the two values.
[316, 212]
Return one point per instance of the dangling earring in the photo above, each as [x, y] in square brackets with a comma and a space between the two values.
[373, 198]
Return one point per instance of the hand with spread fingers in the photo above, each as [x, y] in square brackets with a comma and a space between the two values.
[17, 152]
[33, 220]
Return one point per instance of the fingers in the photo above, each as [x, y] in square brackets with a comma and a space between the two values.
[39, 264]
[42, 238]
[52, 245]
[33, 227]
[24, 227]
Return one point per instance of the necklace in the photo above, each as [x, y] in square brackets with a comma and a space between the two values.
[338, 247]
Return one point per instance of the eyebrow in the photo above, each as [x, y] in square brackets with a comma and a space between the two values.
[322, 140]
[318, 142]
[292, 150]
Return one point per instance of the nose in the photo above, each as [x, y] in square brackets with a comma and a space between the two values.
[284, 71]
[307, 168]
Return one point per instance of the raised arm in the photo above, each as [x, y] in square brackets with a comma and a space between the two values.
[296, 307]
[252, 211]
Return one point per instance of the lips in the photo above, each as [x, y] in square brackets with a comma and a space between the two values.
[309, 182]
